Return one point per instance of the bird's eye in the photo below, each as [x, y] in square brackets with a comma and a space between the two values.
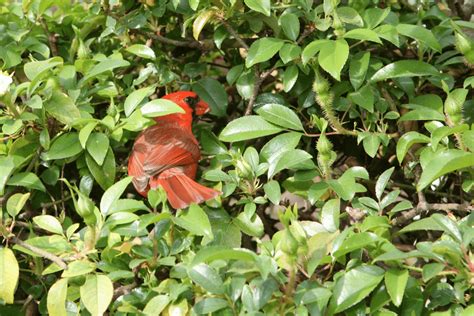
[191, 101]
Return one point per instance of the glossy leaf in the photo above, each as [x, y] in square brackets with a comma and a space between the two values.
[9, 274]
[213, 93]
[404, 68]
[141, 51]
[57, 294]
[96, 294]
[248, 127]
[262, 50]
[280, 115]
[395, 282]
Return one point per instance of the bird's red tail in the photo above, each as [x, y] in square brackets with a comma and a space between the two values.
[182, 190]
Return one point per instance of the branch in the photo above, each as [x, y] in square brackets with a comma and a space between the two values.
[232, 32]
[165, 40]
[426, 207]
[259, 79]
[40, 252]
[124, 290]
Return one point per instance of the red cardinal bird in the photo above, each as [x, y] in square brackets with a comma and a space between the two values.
[167, 154]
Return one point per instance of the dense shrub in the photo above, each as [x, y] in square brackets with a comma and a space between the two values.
[340, 135]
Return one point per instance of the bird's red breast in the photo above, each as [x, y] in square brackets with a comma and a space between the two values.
[167, 155]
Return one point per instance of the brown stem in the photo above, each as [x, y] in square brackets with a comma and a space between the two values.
[165, 40]
[40, 252]
[259, 79]
[51, 38]
[426, 207]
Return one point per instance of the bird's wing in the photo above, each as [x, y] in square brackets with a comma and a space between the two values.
[167, 147]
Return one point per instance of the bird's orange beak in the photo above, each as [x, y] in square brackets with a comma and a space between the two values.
[202, 108]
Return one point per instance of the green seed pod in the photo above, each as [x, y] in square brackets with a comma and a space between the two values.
[320, 85]
[324, 146]
[463, 44]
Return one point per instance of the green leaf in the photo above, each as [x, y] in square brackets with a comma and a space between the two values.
[262, 50]
[422, 224]
[430, 270]
[272, 150]
[438, 134]
[313, 48]
[28, 180]
[7, 166]
[288, 160]
[9, 275]
[156, 305]
[289, 52]
[333, 57]
[291, 25]
[207, 277]
[212, 253]
[79, 267]
[358, 69]
[371, 144]
[96, 294]
[36, 68]
[355, 242]
[364, 98]
[375, 16]
[330, 215]
[65, 146]
[404, 68]
[382, 182]
[443, 162]
[135, 98]
[213, 93]
[62, 107]
[201, 21]
[426, 107]
[262, 6]
[85, 132]
[113, 194]
[103, 66]
[407, 140]
[141, 51]
[396, 282]
[354, 286]
[210, 305]
[280, 115]
[449, 226]
[48, 223]
[16, 202]
[251, 225]
[272, 191]
[349, 15]
[56, 301]
[196, 221]
[420, 34]
[248, 127]
[97, 146]
[389, 33]
[289, 77]
[160, 107]
[364, 35]
[105, 174]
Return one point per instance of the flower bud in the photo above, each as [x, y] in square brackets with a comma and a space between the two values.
[463, 44]
[288, 243]
[5, 82]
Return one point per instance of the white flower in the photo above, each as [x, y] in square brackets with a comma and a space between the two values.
[5, 81]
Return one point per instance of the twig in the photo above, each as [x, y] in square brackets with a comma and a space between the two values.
[40, 252]
[165, 40]
[259, 79]
[232, 32]
[426, 207]
[124, 290]
[306, 32]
